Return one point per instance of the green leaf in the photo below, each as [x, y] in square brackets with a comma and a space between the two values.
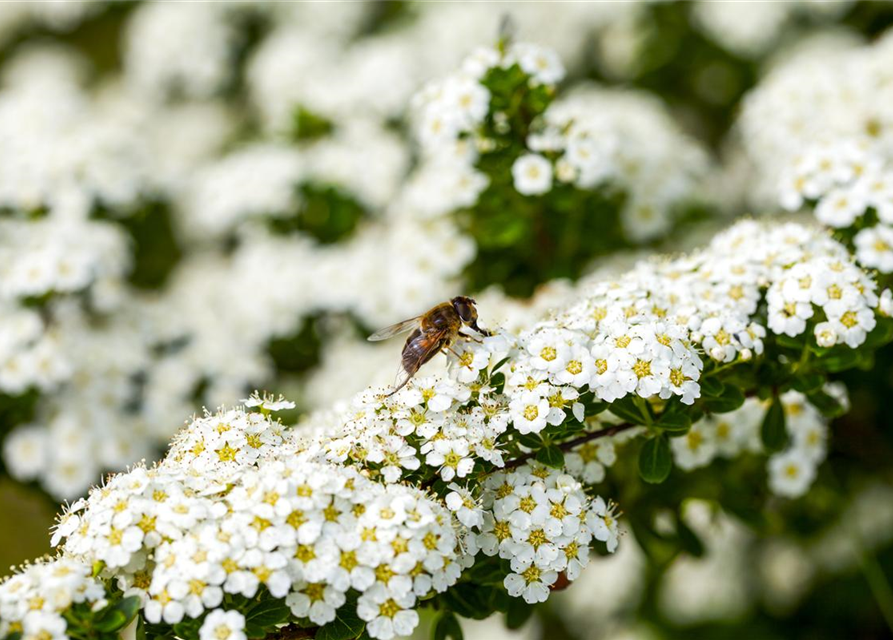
[674, 421]
[530, 440]
[807, 382]
[309, 126]
[469, 600]
[881, 335]
[551, 456]
[346, 625]
[188, 628]
[731, 399]
[839, 358]
[789, 342]
[117, 616]
[689, 540]
[497, 381]
[773, 431]
[827, 404]
[518, 613]
[446, 626]
[626, 409]
[268, 613]
[710, 386]
[655, 460]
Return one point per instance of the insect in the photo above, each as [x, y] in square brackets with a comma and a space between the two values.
[432, 332]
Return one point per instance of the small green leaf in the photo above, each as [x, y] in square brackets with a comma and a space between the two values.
[881, 335]
[530, 440]
[655, 460]
[807, 382]
[346, 625]
[827, 404]
[789, 342]
[518, 613]
[773, 431]
[674, 421]
[731, 399]
[551, 456]
[711, 387]
[626, 409]
[117, 616]
[839, 358]
[689, 540]
[469, 600]
[268, 613]
[188, 628]
[446, 626]
[497, 381]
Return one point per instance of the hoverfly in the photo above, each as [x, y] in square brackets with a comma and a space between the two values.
[432, 332]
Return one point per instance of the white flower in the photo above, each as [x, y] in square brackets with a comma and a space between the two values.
[530, 582]
[223, 625]
[530, 412]
[532, 174]
[541, 63]
[386, 614]
[461, 502]
[874, 247]
[268, 403]
[452, 456]
[791, 473]
[26, 452]
[841, 207]
[694, 449]
[316, 601]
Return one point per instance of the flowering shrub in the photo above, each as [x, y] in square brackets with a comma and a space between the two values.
[527, 171]
[472, 493]
[160, 258]
[198, 201]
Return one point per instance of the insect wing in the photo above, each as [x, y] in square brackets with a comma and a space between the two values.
[395, 329]
[422, 347]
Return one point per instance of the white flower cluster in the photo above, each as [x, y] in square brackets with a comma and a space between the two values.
[840, 290]
[592, 137]
[240, 503]
[33, 601]
[262, 180]
[542, 522]
[51, 256]
[18, 17]
[791, 472]
[64, 150]
[452, 109]
[752, 29]
[310, 61]
[628, 139]
[819, 129]
[232, 509]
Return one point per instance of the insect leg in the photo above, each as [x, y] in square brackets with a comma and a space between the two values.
[401, 385]
[451, 350]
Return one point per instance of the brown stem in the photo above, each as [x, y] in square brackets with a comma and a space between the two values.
[570, 444]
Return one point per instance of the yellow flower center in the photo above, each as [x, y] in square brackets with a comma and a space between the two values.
[389, 608]
[531, 574]
[642, 368]
[849, 319]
